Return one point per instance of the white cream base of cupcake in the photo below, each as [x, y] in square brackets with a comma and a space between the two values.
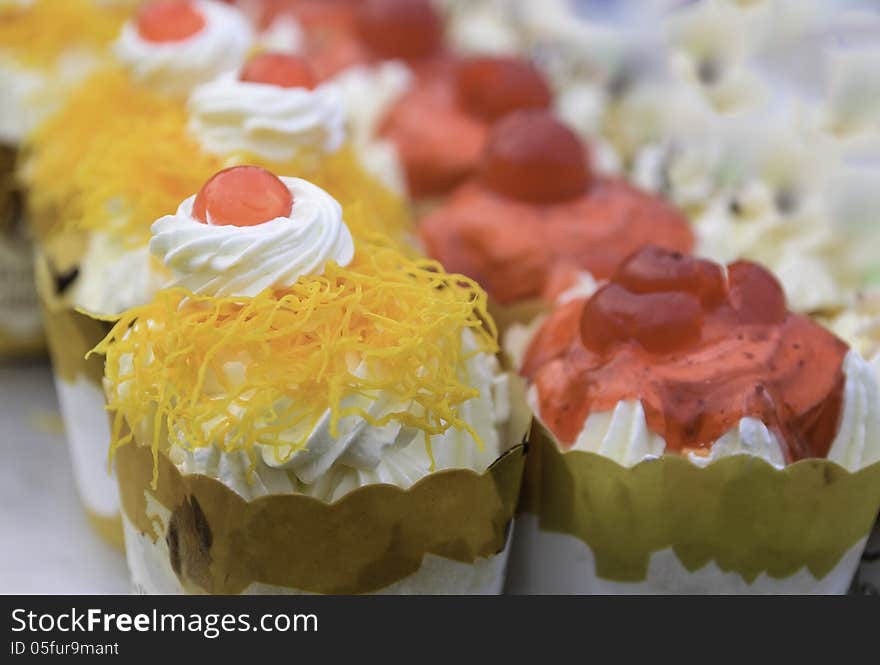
[545, 562]
[88, 435]
[151, 572]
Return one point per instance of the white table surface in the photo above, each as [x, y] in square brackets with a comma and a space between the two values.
[47, 543]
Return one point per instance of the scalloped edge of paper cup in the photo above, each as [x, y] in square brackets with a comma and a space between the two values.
[737, 525]
[194, 534]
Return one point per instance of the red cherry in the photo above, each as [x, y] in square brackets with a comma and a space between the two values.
[654, 269]
[242, 196]
[660, 322]
[492, 87]
[281, 69]
[755, 294]
[407, 29]
[169, 21]
[532, 156]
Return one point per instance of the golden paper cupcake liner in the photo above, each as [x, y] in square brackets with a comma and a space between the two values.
[739, 516]
[192, 533]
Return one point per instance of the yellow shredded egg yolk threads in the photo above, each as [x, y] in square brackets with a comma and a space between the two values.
[168, 363]
[115, 158]
[119, 156]
[40, 32]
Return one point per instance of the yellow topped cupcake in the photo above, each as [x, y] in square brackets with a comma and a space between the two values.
[294, 372]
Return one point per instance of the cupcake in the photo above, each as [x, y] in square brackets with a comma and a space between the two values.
[695, 436]
[305, 411]
[45, 49]
[537, 223]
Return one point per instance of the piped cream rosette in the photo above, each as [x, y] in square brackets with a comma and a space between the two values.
[619, 508]
[305, 411]
[175, 66]
[229, 116]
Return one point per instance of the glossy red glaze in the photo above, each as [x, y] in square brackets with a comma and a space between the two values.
[655, 269]
[660, 322]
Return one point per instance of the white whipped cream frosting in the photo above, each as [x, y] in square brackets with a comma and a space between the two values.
[622, 434]
[114, 276]
[360, 454]
[229, 115]
[243, 261]
[175, 68]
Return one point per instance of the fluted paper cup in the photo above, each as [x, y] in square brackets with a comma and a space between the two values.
[447, 534]
[665, 525]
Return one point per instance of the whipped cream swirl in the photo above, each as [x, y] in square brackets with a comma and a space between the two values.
[175, 68]
[243, 261]
[229, 115]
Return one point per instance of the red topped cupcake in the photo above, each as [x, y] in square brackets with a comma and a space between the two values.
[537, 216]
[693, 435]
